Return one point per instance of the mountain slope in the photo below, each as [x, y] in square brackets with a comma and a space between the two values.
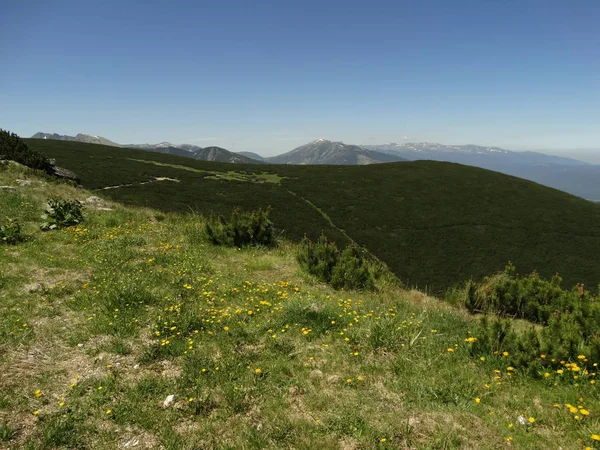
[470, 154]
[219, 154]
[252, 155]
[434, 223]
[567, 174]
[164, 147]
[103, 322]
[86, 138]
[322, 151]
[185, 150]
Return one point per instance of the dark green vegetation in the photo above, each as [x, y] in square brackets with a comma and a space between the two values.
[241, 229]
[571, 319]
[13, 148]
[433, 223]
[346, 269]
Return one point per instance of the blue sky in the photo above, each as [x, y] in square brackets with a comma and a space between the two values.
[268, 76]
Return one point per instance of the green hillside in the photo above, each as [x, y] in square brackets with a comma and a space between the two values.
[130, 330]
[433, 223]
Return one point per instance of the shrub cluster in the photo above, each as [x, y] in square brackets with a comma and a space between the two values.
[10, 232]
[62, 213]
[13, 148]
[570, 318]
[349, 268]
[242, 229]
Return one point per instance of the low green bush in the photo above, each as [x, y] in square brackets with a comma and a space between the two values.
[318, 258]
[10, 232]
[350, 268]
[531, 298]
[570, 320]
[242, 229]
[61, 214]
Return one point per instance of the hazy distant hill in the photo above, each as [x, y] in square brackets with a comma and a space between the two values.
[470, 154]
[322, 151]
[184, 150]
[434, 223]
[87, 138]
[193, 151]
[164, 147]
[252, 155]
[567, 174]
[221, 155]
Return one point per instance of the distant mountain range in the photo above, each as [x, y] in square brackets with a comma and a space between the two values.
[217, 154]
[473, 155]
[566, 174]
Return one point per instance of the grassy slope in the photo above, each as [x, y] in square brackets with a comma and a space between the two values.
[108, 318]
[433, 223]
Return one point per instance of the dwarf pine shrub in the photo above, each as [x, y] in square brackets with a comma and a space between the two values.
[318, 258]
[12, 147]
[347, 269]
[352, 270]
[242, 229]
[62, 213]
[506, 294]
[570, 319]
[10, 232]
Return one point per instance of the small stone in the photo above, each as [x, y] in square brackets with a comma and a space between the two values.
[316, 374]
[94, 199]
[168, 401]
[37, 287]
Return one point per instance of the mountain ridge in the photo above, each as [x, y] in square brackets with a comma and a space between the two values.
[322, 151]
[212, 153]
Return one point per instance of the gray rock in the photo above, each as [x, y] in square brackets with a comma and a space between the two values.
[35, 287]
[61, 172]
[94, 200]
[23, 183]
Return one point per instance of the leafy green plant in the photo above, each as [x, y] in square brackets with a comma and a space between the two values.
[10, 233]
[242, 229]
[347, 269]
[7, 433]
[13, 148]
[62, 213]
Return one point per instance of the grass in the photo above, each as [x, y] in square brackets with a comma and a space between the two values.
[434, 224]
[102, 321]
[229, 175]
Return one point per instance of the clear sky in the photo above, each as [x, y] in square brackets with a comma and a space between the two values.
[268, 76]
